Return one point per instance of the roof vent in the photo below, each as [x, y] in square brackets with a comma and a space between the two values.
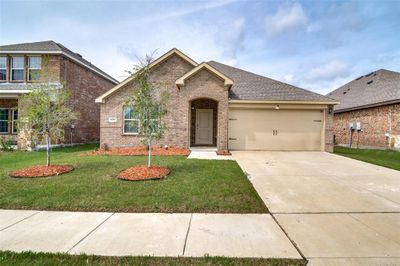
[344, 92]
[369, 82]
[359, 78]
[369, 74]
[79, 55]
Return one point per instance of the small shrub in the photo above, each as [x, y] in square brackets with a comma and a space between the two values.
[5, 145]
[105, 147]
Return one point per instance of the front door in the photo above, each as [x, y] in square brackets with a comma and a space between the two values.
[204, 127]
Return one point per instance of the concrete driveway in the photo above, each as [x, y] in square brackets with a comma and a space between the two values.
[335, 209]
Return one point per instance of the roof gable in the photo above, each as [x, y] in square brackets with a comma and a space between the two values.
[156, 62]
[170, 53]
[227, 81]
[52, 47]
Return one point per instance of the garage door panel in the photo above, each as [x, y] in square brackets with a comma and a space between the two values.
[258, 129]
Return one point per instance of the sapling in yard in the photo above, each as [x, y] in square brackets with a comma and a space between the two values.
[148, 104]
[45, 113]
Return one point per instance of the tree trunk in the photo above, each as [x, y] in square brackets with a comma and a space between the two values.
[47, 150]
[149, 159]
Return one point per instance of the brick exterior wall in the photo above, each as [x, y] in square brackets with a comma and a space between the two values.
[329, 129]
[201, 85]
[8, 103]
[206, 85]
[85, 86]
[376, 122]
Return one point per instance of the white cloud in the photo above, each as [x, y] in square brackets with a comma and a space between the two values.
[326, 86]
[287, 18]
[328, 71]
[288, 78]
[231, 41]
[314, 27]
[187, 11]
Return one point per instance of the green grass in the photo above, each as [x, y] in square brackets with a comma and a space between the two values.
[386, 158]
[192, 186]
[32, 259]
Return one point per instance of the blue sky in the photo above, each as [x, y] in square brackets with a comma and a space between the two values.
[317, 45]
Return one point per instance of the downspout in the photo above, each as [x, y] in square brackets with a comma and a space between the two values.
[390, 125]
[351, 137]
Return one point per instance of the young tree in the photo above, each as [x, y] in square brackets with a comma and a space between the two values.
[45, 113]
[149, 104]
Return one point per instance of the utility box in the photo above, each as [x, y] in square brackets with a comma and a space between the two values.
[352, 126]
[358, 126]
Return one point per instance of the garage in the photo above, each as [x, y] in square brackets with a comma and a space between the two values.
[276, 129]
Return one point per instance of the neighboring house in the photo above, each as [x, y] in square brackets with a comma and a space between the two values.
[369, 111]
[212, 104]
[23, 64]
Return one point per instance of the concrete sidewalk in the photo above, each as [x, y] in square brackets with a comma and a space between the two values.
[155, 234]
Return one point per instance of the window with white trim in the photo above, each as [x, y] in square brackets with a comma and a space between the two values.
[3, 68]
[14, 117]
[4, 113]
[17, 68]
[34, 67]
[131, 123]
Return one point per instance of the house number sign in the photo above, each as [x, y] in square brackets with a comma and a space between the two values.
[112, 119]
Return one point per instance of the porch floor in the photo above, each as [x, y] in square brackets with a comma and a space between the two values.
[207, 153]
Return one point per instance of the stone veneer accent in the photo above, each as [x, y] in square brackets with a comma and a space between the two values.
[376, 122]
[201, 85]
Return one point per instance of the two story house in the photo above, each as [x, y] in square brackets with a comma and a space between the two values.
[23, 64]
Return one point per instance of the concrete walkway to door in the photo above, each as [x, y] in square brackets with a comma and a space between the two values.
[338, 211]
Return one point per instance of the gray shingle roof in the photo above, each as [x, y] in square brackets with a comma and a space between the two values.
[250, 86]
[377, 88]
[50, 46]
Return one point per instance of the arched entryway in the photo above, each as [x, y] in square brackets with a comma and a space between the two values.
[203, 122]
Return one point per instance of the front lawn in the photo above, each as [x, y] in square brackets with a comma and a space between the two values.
[30, 258]
[192, 186]
[386, 158]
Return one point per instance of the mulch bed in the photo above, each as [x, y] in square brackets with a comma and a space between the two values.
[42, 171]
[142, 172]
[223, 152]
[139, 150]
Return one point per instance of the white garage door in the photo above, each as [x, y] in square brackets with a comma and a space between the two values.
[285, 130]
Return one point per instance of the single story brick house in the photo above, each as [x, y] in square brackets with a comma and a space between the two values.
[212, 104]
[368, 115]
[23, 64]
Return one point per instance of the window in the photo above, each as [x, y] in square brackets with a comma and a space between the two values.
[17, 68]
[14, 121]
[4, 120]
[131, 123]
[3, 68]
[34, 67]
